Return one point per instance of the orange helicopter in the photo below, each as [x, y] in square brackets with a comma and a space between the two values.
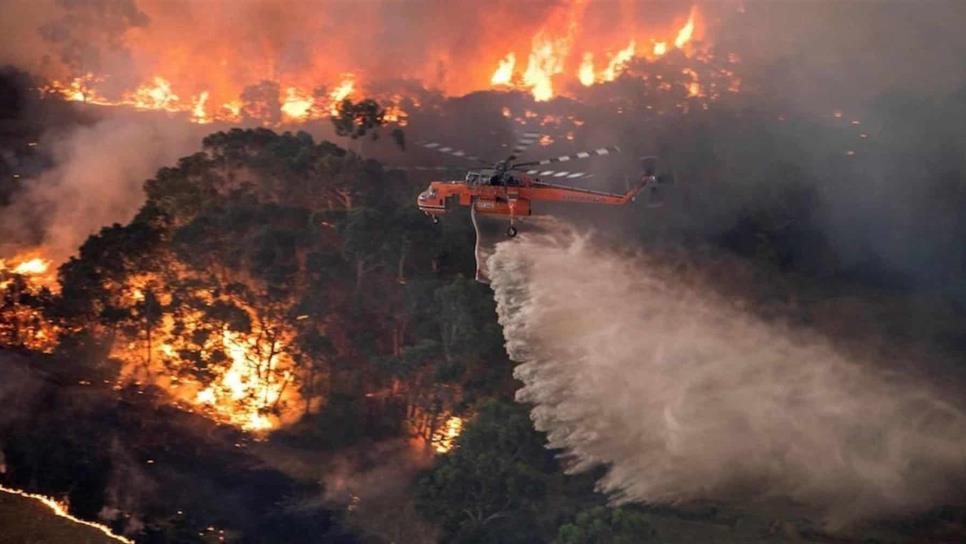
[508, 188]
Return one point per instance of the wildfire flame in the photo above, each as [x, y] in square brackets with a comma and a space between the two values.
[618, 61]
[158, 96]
[297, 104]
[504, 72]
[249, 378]
[684, 35]
[445, 438]
[23, 324]
[548, 58]
[239, 383]
[60, 509]
[210, 86]
[198, 113]
[586, 72]
[33, 266]
[342, 91]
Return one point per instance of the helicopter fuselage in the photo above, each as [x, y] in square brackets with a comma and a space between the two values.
[510, 195]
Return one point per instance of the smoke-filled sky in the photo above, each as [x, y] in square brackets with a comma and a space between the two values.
[851, 50]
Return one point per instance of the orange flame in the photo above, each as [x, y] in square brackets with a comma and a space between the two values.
[618, 61]
[240, 382]
[207, 83]
[445, 438]
[250, 379]
[548, 56]
[586, 72]
[684, 35]
[504, 72]
[33, 266]
[546, 60]
[297, 104]
[342, 91]
[198, 114]
[158, 96]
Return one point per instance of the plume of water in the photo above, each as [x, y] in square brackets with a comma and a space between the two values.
[684, 396]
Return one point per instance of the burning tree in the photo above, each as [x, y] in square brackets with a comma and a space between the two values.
[265, 279]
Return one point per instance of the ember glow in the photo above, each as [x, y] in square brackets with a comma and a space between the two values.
[60, 510]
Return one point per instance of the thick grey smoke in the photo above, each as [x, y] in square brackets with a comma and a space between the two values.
[96, 180]
[684, 396]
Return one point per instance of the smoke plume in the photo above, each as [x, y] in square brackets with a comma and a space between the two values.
[683, 396]
[96, 180]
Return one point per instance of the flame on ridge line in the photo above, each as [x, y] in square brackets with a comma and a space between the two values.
[60, 510]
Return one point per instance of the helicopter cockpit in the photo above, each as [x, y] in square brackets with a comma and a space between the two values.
[480, 177]
[490, 177]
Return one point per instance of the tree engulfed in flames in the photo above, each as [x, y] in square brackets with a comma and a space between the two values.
[239, 371]
[26, 283]
[434, 431]
[445, 438]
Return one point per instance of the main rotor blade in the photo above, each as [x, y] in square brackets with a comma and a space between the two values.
[427, 168]
[574, 157]
[558, 174]
[436, 146]
[526, 140]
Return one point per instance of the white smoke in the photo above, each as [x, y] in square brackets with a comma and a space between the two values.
[96, 180]
[686, 397]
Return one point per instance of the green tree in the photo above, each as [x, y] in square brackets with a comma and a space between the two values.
[356, 119]
[499, 483]
[605, 525]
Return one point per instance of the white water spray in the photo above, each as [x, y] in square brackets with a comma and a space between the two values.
[684, 397]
